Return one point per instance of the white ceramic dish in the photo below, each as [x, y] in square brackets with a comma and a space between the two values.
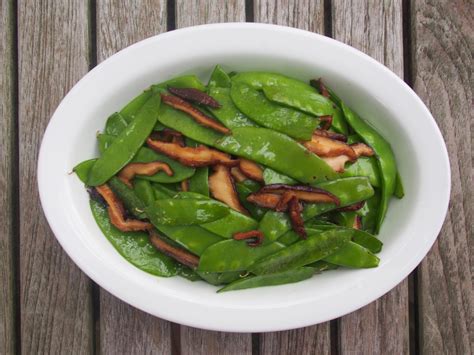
[411, 226]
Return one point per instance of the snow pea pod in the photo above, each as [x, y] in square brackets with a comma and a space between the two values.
[199, 182]
[184, 81]
[255, 105]
[348, 190]
[233, 255]
[185, 211]
[353, 255]
[162, 192]
[132, 202]
[280, 278]
[134, 246]
[126, 145]
[277, 151]
[321, 265]
[385, 158]
[228, 114]
[115, 124]
[315, 247]
[244, 191]
[370, 212]
[364, 166]
[83, 168]
[271, 176]
[144, 191]
[232, 223]
[399, 190]
[133, 107]
[221, 278]
[219, 78]
[104, 141]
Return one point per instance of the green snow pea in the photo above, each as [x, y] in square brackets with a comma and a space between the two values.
[348, 190]
[232, 223]
[233, 255]
[126, 145]
[244, 191]
[132, 202]
[133, 107]
[353, 255]
[144, 191]
[277, 151]
[344, 219]
[219, 78]
[399, 190]
[104, 141]
[173, 211]
[115, 124]
[364, 166]
[316, 247]
[370, 212]
[280, 278]
[255, 105]
[221, 278]
[228, 114]
[83, 168]
[385, 158]
[270, 176]
[321, 265]
[134, 246]
[162, 192]
[185, 81]
[199, 182]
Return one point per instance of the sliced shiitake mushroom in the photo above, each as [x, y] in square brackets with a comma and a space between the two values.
[304, 193]
[190, 156]
[251, 170]
[329, 134]
[327, 147]
[362, 150]
[265, 200]
[237, 174]
[254, 238]
[326, 122]
[195, 95]
[148, 169]
[337, 163]
[199, 116]
[295, 209]
[181, 255]
[223, 189]
[319, 85]
[116, 212]
[354, 207]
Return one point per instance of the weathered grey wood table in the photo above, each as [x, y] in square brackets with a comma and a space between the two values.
[47, 305]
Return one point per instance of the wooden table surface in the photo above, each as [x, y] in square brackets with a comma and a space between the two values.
[47, 305]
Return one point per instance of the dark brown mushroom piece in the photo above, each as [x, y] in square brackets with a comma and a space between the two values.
[116, 212]
[332, 135]
[181, 255]
[327, 147]
[357, 224]
[265, 200]
[304, 193]
[199, 116]
[192, 156]
[222, 188]
[297, 223]
[319, 85]
[354, 207]
[130, 170]
[237, 174]
[251, 170]
[195, 95]
[254, 238]
[326, 122]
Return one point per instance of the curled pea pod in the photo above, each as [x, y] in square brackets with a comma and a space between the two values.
[281, 278]
[134, 246]
[126, 145]
[353, 255]
[83, 168]
[219, 78]
[316, 247]
[238, 256]
[228, 114]
[348, 191]
[255, 105]
[185, 211]
[131, 201]
[385, 158]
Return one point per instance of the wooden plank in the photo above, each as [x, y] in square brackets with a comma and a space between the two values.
[307, 15]
[375, 27]
[7, 156]
[197, 341]
[123, 328]
[442, 62]
[55, 297]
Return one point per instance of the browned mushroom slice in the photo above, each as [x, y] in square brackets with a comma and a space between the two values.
[254, 238]
[251, 170]
[337, 163]
[197, 115]
[195, 95]
[319, 85]
[237, 174]
[116, 212]
[327, 147]
[354, 207]
[326, 122]
[362, 150]
[331, 135]
[303, 193]
[148, 169]
[282, 205]
[222, 188]
[170, 135]
[265, 200]
[181, 255]
[297, 222]
[190, 156]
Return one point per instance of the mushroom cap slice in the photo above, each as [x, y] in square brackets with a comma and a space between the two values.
[222, 188]
[251, 170]
[303, 193]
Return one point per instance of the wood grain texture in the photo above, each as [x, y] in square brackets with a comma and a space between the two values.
[307, 15]
[123, 328]
[195, 341]
[442, 62]
[7, 156]
[55, 297]
[374, 27]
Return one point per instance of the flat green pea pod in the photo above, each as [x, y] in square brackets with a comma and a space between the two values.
[271, 176]
[162, 192]
[316, 247]
[144, 191]
[255, 105]
[321, 265]
[219, 78]
[220, 278]
[385, 158]
[228, 114]
[232, 223]
[126, 145]
[370, 212]
[348, 190]
[277, 151]
[234, 255]
[281, 278]
[399, 190]
[185, 81]
[174, 212]
[364, 166]
[104, 141]
[83, 168]
[134, 246]
[131, 201]
[199, 182]
[115, 124]
[133, 107]
[353, 255]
